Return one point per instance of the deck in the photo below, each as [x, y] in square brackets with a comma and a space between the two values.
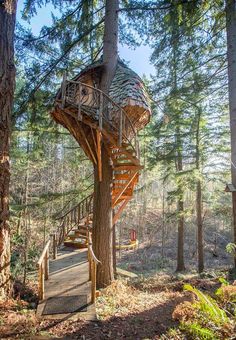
[68, 276]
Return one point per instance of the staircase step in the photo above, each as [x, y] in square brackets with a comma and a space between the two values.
[75, 244]
[127, 192]
[119, 152]
[127, 166]
[122, 176]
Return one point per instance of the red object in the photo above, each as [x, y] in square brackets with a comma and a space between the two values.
[133, 236]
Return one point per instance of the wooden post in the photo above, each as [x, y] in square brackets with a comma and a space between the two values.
[46, 264]
[79, 104]
[100, 111]
[54, 243]
[41, 281]
[90, 264]
[93, 283]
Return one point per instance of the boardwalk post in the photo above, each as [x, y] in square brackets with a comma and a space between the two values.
[94, 274]
[41, 281]
[54, 238]
[46, 264]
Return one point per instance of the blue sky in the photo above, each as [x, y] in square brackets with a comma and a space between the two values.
[138, 59]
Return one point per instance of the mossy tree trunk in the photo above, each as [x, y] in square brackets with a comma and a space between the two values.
[7, 85]
[103, 230]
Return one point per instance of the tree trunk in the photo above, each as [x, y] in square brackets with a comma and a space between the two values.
[103, 229]
[231, 55]
[180, 251]
[180, 204]
[7, 85]
[199, 227]
[199, 200]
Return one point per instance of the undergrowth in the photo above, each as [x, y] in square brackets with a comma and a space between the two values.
[208, 317]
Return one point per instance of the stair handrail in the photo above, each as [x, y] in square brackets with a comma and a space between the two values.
[43, 269]
[122, 113]
[74, 207]
[67, 220]
[93, 262]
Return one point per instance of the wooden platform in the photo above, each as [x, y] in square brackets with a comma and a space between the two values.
[68, 276]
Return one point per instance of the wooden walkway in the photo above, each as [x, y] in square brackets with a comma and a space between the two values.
[68, 276]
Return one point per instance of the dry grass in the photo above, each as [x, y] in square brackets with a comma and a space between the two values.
[121, 299]
[16, 318]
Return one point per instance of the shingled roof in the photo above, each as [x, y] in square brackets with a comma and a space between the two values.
[127, 88]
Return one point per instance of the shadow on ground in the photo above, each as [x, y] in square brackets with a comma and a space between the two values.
[149, 324]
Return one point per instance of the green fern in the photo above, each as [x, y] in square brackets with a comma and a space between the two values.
[209, 306]
[198, 332]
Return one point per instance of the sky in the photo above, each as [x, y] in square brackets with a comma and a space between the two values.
[137, 59]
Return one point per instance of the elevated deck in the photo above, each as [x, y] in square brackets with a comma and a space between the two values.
[68, 277]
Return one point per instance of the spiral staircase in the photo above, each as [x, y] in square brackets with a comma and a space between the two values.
[108, 122]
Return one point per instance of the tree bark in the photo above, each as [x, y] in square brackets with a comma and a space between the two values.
[231, 55]
[102, 219]
[7, 86]
[180, 205]
[103, 235]
[200, 246]
[180, 247]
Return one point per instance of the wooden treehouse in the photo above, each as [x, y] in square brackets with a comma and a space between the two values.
[94, 117]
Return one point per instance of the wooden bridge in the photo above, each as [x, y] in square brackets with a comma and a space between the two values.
[67, 282]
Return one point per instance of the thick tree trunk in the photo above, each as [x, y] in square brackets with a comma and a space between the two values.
[7, 85]
[231, 54]
[110, 44]
[103, 230]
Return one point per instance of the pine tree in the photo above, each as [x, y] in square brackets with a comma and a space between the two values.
[7, 85]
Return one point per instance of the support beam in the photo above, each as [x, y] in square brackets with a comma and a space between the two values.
[120, 209]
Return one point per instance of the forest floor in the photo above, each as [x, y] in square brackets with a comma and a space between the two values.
[139, 309]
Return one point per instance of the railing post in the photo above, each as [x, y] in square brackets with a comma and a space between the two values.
[41, 281]
[46, 264]
[63, 91]
[120, 129]
[90, 263]
[100, 111]
[93, 282]
[54, 243]
[79, 104]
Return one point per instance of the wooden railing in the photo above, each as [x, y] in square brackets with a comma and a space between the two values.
[43, 264]
[85, 97]
[43, 269]
[73, 217]
[93, 262]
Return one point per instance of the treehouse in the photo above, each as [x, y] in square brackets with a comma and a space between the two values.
[113, 119]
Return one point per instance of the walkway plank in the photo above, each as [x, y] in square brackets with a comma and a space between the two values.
[68, 276]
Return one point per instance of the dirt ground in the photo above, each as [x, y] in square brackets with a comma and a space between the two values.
[126, 310]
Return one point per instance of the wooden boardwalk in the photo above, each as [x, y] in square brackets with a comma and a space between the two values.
[68, 276]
